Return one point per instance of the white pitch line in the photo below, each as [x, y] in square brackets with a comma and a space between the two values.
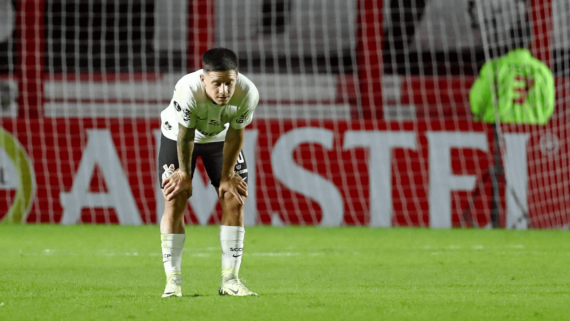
[107, 253]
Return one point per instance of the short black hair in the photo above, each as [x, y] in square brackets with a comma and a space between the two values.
[219, 59]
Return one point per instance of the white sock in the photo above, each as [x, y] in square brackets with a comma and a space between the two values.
[231, 239]
[172, 246]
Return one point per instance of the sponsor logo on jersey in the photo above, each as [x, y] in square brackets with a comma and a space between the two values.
[177, 106]
[209, 134]
[214, 122]
[187, 114]
[241, 118]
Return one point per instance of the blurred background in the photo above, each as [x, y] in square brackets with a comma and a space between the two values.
[364, 115]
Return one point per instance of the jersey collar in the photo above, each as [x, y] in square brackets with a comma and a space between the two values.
[520, 52]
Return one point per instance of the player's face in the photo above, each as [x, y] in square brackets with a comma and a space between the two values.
[220, 85]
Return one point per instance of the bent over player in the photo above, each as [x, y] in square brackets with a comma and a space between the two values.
[206, 118]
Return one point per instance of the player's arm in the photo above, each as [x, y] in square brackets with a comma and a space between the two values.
[550, 93]
[480, 93]
[231, 182]
[185, 147]
[181, 180]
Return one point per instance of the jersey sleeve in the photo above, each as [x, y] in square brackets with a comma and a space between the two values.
[244, 115]
[480, 93]
[549, 96]
[184, 105]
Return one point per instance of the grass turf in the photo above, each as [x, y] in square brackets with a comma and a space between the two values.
[87, 272]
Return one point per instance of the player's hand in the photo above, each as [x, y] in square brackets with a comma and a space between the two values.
[240, 184]
[235, 185]
[168, 170]
[178, 181]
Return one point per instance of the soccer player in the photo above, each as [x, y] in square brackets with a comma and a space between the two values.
[206, 118]
[521, 86]
[517, 89]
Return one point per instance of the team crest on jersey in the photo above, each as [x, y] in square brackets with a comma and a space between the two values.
[167, 126]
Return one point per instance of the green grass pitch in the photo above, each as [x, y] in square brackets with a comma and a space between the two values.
[87, 272]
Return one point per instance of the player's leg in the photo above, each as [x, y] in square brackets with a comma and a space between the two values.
[172, 223]
[232, 235]
[232, 232]
[172, 243]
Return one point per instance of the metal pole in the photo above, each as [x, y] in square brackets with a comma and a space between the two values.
[497, 168]
[496, 171]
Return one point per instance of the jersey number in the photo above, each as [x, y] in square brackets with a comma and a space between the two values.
[528, 84]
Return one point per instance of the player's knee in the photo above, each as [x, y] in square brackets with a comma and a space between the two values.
[231, 200]
[176, 206]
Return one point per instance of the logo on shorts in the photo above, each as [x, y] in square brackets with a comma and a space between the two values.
[168, 170]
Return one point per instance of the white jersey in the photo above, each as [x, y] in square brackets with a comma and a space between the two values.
[193, 109]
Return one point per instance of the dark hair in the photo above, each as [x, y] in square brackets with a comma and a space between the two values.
[219, 59]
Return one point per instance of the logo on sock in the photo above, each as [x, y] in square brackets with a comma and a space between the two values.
[236, 249]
